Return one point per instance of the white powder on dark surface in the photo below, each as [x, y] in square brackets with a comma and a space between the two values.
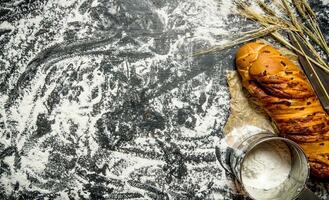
[125, 114]
[61, 123]
[6, 26]
[266, 166]
[325, 2]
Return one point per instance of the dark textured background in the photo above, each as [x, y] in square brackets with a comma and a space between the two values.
[100, 99]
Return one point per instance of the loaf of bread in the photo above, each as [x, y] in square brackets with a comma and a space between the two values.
[282, 89]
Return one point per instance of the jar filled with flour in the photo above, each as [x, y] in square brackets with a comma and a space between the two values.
[267, 166]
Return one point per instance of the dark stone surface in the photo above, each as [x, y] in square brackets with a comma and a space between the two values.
[101, 99]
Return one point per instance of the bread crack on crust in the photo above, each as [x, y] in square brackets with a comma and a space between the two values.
[282, 89]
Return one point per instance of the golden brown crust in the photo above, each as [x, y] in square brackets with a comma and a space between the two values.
[284, 92]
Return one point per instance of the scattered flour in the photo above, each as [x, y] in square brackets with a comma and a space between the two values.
[325, 2]
[6, 26]
[32, 34]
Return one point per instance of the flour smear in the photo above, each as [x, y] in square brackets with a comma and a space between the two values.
[98, 101]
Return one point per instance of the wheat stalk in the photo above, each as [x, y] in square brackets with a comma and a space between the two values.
[273, 24]
[251, 35]
[287, 44]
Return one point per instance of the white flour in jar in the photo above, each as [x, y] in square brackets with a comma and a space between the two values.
[266, 166]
